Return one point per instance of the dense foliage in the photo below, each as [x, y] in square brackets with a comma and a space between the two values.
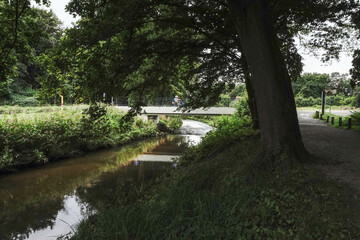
[167, 47]
[26, 32]
[36, 138]
[308, 88]
[169, 123]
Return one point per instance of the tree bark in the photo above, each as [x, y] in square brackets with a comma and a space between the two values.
[281, 142]
[251, 94]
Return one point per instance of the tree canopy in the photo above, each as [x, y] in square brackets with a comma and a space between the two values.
[312, 84]
[25, 33]
[147, 48]
[18, 31]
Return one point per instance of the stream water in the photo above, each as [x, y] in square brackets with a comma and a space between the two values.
[46, 202]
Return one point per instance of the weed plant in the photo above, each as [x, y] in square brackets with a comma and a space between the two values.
[215, 193]
[36, 138]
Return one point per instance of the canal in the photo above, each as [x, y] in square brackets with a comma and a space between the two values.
[47, 202]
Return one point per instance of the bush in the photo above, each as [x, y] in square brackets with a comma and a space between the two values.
[25, 99]
[169, 124]
[355, 116]
[300, 101]
[36, 138]
[356, 99]
[242, 107]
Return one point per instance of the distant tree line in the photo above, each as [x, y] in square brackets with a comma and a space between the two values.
[25, 33]
[338, 87]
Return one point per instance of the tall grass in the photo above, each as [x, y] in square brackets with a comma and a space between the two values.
[19, 109]
[36, 138]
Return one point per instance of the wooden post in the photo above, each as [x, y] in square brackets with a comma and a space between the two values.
[332, 120]
[321, 116]
[317, 114]
[327, 119]
[340, 121]
[349, 123]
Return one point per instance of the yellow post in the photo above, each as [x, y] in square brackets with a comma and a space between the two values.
[62, 102]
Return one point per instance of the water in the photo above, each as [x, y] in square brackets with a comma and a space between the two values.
[190, 127]
[44, 203]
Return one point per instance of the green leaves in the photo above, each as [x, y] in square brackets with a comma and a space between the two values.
[35, 138]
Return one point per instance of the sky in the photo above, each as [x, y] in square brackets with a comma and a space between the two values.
[311, 63]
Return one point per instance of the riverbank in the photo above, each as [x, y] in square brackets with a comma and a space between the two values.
[37, 138]
[215, 193]
[53, 198]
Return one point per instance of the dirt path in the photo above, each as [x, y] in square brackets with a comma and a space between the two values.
[339, 149]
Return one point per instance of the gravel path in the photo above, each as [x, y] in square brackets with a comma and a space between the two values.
[339, 149]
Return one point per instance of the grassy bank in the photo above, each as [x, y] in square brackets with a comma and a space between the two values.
[36, 138]
[215, 193]
[355, 120]
[318, 107]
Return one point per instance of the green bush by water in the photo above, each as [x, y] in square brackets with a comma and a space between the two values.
[36, 138]
[169, 124]
[215, 193]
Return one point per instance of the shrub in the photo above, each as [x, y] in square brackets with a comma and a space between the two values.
[242, 107]
[169, 124]
[356, 99]
[355, 116]
[32, 139]
[300, 101]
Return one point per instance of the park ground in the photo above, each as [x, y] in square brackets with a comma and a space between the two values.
[338, 149]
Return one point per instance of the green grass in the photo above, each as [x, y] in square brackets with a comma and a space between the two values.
[27, 110]
[215, 193]
[36, 138]
[355, 123]
[318, 107]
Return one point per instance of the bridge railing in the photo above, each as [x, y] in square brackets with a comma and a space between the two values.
[166, 102]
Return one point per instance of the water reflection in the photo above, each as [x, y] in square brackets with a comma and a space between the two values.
[44, 203]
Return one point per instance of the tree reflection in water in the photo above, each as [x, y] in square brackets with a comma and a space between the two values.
[39, 202]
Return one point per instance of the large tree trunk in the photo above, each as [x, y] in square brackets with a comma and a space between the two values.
[251, 94]
[280, 133]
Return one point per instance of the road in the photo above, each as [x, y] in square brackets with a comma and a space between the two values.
[338, 149]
